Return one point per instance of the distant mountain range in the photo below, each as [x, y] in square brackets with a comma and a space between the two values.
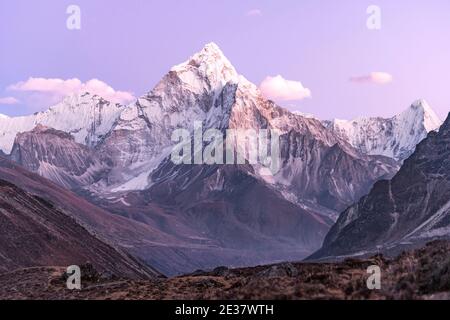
[86, 117]
[396, 137]
[408, 210]
[201, 216]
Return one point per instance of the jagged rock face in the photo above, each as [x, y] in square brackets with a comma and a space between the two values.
[87, 117]
[396, 137]
[412, 207]
[223, 215]
[229, 204]
[208, 89]
[33, 232]
[329, 175]
[201, 89]
[55, 155]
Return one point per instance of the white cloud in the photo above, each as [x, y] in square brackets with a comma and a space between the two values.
[279, 89]
[9, 100]
[374, 77]
[59, 88]
[254, 13]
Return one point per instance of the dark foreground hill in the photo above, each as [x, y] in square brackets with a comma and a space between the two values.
[421, 274]
[34, 232]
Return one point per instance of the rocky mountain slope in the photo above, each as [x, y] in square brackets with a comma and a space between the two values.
[411, 208]
[131, 236]
[396, 137]
[157, 235]
[55, 155]
[33, 233]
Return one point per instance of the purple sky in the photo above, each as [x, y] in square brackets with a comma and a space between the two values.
[131, 44]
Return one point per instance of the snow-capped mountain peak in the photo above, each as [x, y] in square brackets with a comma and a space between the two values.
[210, 63]
[191, 91]
[394, 137]
[86, 116]
[199, 89]
[75, 99]
[426, 115]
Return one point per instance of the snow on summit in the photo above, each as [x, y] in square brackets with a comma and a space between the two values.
[394, 137]
[209, 63]
[430, 120]
[87, 117]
